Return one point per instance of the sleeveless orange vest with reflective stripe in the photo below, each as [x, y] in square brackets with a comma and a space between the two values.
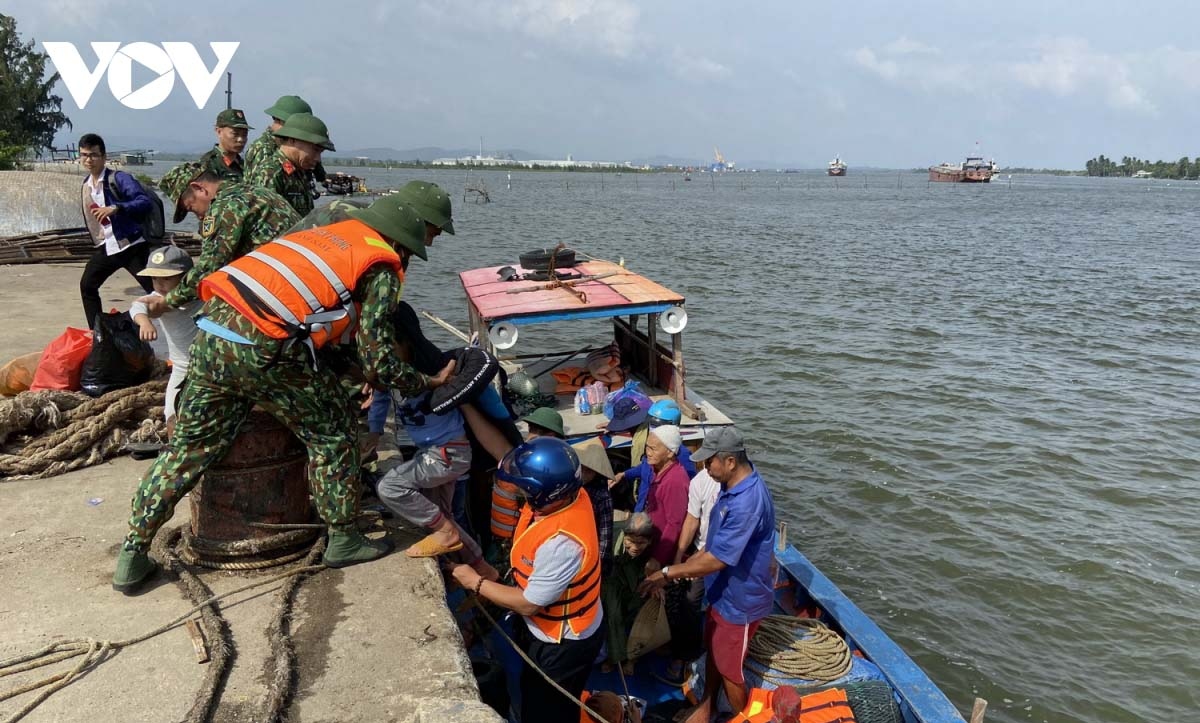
[302, 285]
[506, 509]
[580, 602]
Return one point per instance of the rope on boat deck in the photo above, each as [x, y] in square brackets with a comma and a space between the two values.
[94, 652]
[529, 661]
[790, 647]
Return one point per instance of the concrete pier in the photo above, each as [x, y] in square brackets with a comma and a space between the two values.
[374, 642]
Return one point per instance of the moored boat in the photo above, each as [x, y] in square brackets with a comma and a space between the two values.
[342, 184]
[973, 170]
[837, 167]
[647, 321]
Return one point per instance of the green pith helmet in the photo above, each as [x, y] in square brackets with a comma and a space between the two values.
[431, 203]
[175, 181]
[398, 222]
[546, 418]
[306, 127]
[232, 118]
[286, 106]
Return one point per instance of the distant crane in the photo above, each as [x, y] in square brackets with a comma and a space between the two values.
[720, 164]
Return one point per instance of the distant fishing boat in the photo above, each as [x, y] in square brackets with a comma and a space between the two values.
[837, 167]
[972, 170]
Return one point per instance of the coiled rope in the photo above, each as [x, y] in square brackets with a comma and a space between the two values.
[790, 647]
[94, 652]
[95, 429]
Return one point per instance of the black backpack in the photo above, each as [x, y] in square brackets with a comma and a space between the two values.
[154, 222]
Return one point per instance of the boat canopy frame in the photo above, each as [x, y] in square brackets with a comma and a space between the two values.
[589, 290]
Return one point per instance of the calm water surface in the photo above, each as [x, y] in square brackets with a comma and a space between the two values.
[977, 406]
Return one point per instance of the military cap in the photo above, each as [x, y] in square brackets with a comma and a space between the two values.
[430, 202]
[176, 181]
[395, 220]
[306, 127]
[232, 118]
[286, 106]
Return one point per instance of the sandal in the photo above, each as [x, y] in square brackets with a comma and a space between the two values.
[429, 547]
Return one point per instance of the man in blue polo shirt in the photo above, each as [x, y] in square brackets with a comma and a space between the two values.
[735, 565]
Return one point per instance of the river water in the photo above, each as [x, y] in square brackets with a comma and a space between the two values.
[977, 406]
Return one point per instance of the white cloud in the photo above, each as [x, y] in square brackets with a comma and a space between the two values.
[915, 66]
[608, 27]
[1069, 66]
[905, 46]
[1064, 67]
[886, 69]
[689, 66]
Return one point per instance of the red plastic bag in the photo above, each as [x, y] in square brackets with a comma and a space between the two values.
[62, 361]
[17, 375]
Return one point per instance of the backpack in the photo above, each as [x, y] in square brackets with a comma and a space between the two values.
[154, 222]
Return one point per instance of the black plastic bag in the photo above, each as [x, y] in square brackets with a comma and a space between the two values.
[119, 358]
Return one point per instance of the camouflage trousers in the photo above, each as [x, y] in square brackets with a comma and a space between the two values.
[224, 381]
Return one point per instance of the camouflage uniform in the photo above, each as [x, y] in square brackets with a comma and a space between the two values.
[239, 219]
[226, 168]
[277, 173]
[262, 148]
[227, 378]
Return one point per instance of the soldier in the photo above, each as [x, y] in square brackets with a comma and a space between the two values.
[224, 159]
[234, 219]
[299, 144]
[432, 204]
[264, 145]
[265, 316]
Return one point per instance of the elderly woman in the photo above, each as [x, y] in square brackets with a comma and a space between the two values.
[619, 589]
[666, 503]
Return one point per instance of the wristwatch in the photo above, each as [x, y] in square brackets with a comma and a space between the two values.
[664, 572]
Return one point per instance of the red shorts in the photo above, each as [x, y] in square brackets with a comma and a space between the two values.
[727, 643]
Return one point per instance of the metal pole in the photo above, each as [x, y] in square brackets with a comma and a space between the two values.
[228, 90]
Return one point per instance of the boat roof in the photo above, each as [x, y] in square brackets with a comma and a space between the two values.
[619, 292]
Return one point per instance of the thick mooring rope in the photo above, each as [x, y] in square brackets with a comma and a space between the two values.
[94, 429]
[95, 652]
[790, 647]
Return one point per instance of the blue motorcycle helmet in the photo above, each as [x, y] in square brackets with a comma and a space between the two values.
[546, 469]
[664, 411]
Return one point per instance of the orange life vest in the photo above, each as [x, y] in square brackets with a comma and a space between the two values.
[301, 286]
[758, 708]
[506, 510]
[580, 602]
[828, 706]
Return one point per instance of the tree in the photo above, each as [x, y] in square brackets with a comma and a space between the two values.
[30, 113]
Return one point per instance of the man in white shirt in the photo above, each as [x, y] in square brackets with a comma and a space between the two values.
[702, 495]
[113, 205]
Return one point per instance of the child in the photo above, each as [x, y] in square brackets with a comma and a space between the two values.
[421, 490]
[166, 267]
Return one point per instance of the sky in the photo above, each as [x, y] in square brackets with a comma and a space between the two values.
[772, 84]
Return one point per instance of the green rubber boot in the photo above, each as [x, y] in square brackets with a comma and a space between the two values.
[350, 547]
[133, 568]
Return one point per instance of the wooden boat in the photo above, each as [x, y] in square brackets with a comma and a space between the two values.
[647, 324]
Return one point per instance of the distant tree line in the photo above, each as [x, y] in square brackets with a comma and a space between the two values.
[1130, 165]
